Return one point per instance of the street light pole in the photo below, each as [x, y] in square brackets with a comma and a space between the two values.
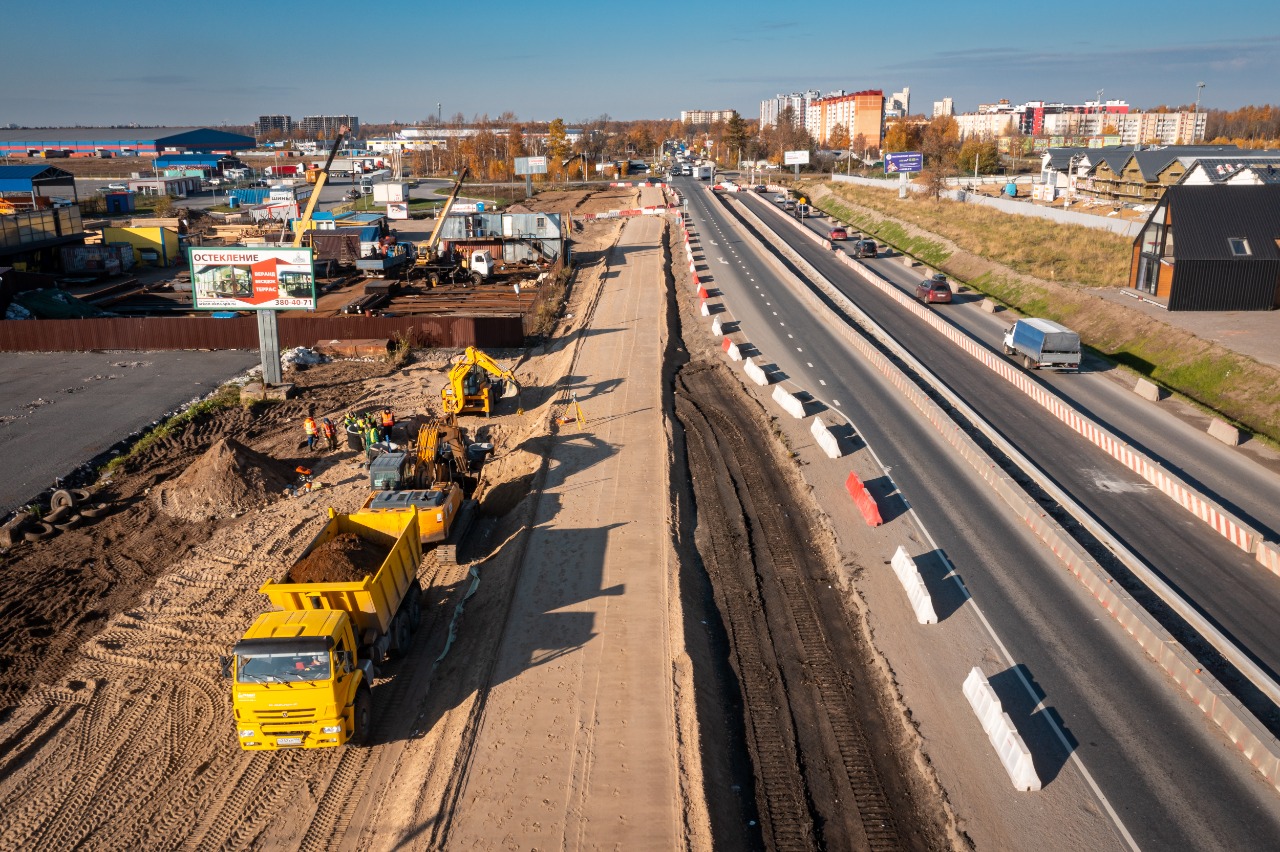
[1195, 127]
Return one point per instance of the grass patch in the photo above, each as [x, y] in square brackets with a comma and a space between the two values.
[224, 397]
[1037, 247]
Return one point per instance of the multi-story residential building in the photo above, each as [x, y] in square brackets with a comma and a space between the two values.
[704, 116]
[861, 113]
[272, 124]
[898, 104]
[946, 106]
[1090, 119]
[326, 126]
[798, 102]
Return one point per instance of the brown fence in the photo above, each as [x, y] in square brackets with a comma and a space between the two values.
[81, 335]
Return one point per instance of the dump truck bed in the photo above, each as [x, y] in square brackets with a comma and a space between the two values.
[372, 602]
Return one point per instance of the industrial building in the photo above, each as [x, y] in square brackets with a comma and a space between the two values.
[35, 227]
[55, 142]
[1225, 257]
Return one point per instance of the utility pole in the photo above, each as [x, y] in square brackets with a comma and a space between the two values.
[1195, 126]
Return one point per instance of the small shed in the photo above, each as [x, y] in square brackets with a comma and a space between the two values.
[119, 202]
[1211, 248]
[155, 246]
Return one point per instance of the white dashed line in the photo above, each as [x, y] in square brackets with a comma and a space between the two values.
[821, 382]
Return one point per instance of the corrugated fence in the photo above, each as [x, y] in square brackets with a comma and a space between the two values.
[80, 335]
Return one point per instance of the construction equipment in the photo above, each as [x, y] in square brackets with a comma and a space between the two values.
[304, 224]
[302, 675]
[470, 390]
[439, 268]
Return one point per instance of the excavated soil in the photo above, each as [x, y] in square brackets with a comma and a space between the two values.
[345, 558]
[228, 480]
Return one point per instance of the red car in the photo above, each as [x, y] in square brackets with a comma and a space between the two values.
[838, 234]
[934, 291]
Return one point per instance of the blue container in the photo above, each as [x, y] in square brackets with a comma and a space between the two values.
[233, 202]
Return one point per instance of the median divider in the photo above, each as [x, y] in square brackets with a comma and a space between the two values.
[917, 592]
[1000, 730]
[1216, 516]
[717, 328]
[705, 310]
[863, 500]
[1250, 737]
[825, 439]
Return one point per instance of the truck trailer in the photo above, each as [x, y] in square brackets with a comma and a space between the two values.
[1043, 343]
[303, 673]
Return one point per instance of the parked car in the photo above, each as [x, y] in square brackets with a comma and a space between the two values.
[837, 234]
[934, 290]
[117, 187]
[864, 248]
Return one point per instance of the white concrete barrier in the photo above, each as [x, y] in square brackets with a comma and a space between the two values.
[825, 439]
[789, 403]
[1224, 432]
[917, 593]
[716, 328]
[705, 311]
[692, 268]
[1000, 730]
[755, 372]
[1148, 389]
[989, 306]
[735, 354]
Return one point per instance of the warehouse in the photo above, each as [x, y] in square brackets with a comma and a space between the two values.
[33, 226]
[52, 142]
[1227, 253]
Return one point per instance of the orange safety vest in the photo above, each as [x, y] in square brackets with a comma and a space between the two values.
[309, 426]
[387, 419]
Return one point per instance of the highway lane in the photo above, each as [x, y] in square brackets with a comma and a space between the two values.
[1224, 583]
[1229, 475]
[1175, 783]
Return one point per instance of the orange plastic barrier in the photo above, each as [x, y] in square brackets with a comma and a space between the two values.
[863, 500]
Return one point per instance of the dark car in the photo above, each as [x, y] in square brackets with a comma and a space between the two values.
[760, 188]
[864, 248]
[650, 181]
[934, 290]
[837, 234]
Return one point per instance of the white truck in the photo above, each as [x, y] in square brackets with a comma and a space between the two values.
[1043, 343]
[703, 171]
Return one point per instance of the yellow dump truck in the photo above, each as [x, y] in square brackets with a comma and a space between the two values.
[302, 674]
[437, 507]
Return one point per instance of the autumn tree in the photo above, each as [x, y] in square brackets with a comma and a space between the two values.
[838, 139]
[860, 145]
[940, 142]
[901, 136]
[986, 153]
[735, 134]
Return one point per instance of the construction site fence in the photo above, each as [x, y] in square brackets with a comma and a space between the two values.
[137, 333]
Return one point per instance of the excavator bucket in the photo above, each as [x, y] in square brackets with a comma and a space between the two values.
[510, 389]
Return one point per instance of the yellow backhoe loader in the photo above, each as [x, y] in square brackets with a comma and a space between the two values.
[471, 390]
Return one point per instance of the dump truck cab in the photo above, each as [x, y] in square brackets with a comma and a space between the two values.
[300, 682]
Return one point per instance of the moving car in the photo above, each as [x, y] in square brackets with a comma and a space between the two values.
[780, 198]
[934, 290]
[864, 248]
[760, 188]
[837, 234]
[789, 204]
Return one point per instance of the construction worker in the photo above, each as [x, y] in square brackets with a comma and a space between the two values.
[387, 421]
[330, 434]
[370, 438]
[309, 426]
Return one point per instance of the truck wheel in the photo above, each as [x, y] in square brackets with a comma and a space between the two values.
[415, 606]
[362, 717]
[476, 279]
[400, 635]
[1027, 362]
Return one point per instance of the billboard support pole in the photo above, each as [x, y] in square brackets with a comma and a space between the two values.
[269, 346]
[902, 185]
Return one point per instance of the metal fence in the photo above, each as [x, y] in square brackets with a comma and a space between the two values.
[82, 335]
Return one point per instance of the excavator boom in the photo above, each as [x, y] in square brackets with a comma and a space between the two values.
[470, 390]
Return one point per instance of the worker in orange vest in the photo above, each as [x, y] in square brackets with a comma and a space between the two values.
[330, 434]
[309, 426]
[387, 421]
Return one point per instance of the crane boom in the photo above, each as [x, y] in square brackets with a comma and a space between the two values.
[429, 249]
[304, 224]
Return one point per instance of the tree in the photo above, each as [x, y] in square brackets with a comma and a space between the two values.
[985, 152]
[935, 182]
[860, 145]
[735, 133]
[838, 140]
[901, 136]
[557, 140]
[940, 142]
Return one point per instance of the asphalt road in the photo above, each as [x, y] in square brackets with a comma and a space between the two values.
[1174, 782]
[58, 410]
[1224, 583]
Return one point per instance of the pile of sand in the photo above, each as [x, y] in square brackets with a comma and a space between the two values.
[227, 480]
[345, 558]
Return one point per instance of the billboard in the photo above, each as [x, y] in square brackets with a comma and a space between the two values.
[795, 158]
[904, 161]
[251, 278]
[531, 165]
[398, 210]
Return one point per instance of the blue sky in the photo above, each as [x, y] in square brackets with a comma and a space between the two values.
[212, 63]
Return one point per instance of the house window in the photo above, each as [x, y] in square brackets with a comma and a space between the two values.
[540, 224]
[1239, 246]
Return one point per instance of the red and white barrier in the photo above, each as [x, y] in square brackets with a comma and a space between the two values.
[863, 500]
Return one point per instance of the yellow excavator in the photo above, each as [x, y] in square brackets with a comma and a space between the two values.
[470, 390]
[304, 224]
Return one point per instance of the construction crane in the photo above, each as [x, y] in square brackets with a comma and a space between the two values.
[305, 224]
[478, 266]
[470, 390]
